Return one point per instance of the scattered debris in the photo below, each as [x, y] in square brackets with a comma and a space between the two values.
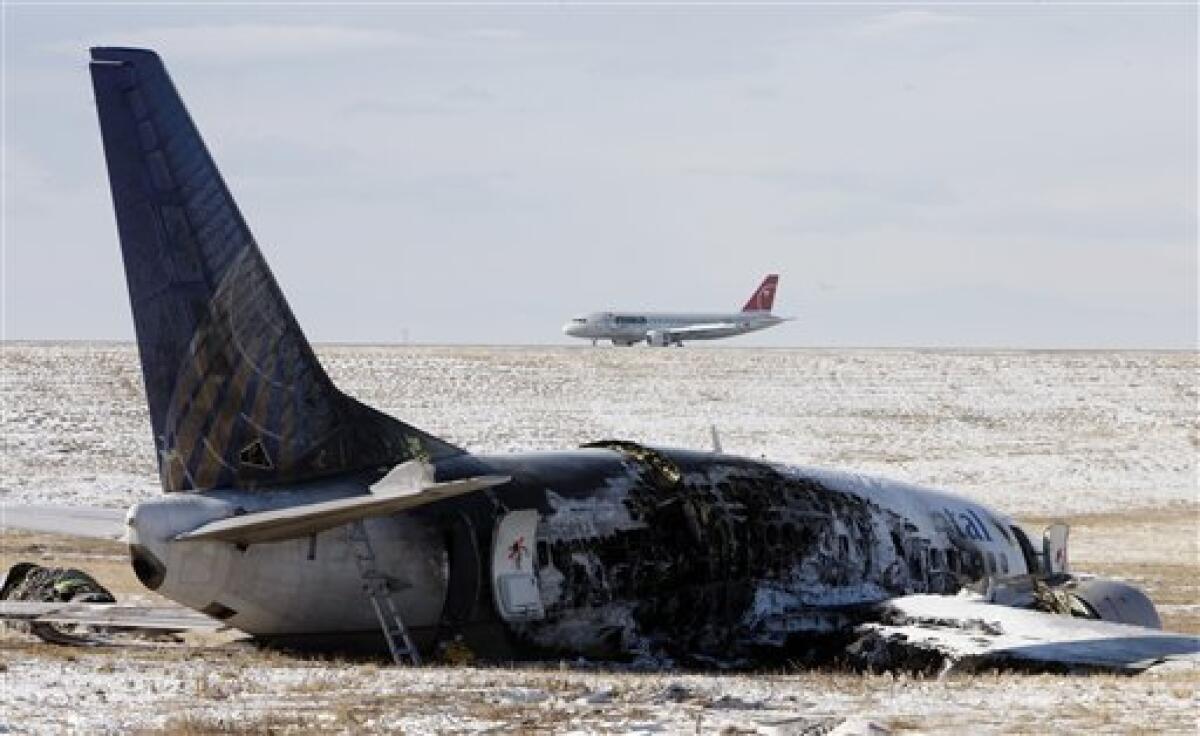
[27, 581]
[876, 652]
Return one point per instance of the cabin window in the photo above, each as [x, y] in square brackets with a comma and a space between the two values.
[971, 563]
[935, 559]
[914, 566]
[991, 563]
[952, 560]
[1003, 563]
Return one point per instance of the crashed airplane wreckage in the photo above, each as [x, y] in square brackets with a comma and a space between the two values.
[299, 515]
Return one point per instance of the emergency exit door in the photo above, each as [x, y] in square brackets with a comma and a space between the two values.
[514, 567]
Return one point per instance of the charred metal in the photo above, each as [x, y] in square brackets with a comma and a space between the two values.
[695, 557]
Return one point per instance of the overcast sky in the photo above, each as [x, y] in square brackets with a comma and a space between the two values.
[920, 176]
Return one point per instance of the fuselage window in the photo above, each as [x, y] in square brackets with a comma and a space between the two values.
[914, 566]
[935, 559]
[991, 563]
[952, 560]
[1003, 563]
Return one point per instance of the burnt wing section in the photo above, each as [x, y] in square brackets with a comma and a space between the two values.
[237, 397]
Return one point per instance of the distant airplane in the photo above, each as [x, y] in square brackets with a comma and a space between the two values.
[666, 328]
[300, 515]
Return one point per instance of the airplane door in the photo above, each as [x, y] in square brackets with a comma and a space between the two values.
[514, 569]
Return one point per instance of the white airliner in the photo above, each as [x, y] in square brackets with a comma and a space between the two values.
[664, 328]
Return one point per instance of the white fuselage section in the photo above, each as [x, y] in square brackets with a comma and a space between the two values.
[627, 328]
[306, 585]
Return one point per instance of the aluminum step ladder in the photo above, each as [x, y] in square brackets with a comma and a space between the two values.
[379, 590]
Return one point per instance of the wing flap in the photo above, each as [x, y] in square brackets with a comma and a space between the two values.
[308, 519]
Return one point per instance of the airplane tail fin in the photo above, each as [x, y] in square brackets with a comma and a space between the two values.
[237, 397]
[764, 297]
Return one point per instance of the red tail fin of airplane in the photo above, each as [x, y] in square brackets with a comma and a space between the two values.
[764, 296]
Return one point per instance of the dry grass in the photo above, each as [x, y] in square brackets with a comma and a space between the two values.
[258, 724]
[1157, 549]
[105, 560]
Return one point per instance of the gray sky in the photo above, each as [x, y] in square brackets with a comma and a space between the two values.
[941, 176]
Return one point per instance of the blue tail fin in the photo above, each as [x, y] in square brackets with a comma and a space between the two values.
[237, 397]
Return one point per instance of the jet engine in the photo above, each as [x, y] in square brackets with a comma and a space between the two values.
[1114, 600]
[658, 338]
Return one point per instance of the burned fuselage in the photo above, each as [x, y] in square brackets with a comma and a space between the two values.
[619, 550]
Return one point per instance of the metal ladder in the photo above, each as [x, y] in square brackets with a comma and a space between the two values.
[378, 589]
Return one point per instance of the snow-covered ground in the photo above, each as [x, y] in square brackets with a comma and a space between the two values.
[1034, 433]
[105, 693]
[1030, 432]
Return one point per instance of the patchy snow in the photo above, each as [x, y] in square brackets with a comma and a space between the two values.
[97, 692]
[1030, 433]
[1026, 432]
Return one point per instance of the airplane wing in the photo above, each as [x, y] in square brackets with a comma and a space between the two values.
[702, 330]
[970, 631]
[110, 615]
[75, 521]
[693, 330]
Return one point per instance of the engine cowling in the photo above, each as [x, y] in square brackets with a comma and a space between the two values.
[1115, 601]
[658, 338]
